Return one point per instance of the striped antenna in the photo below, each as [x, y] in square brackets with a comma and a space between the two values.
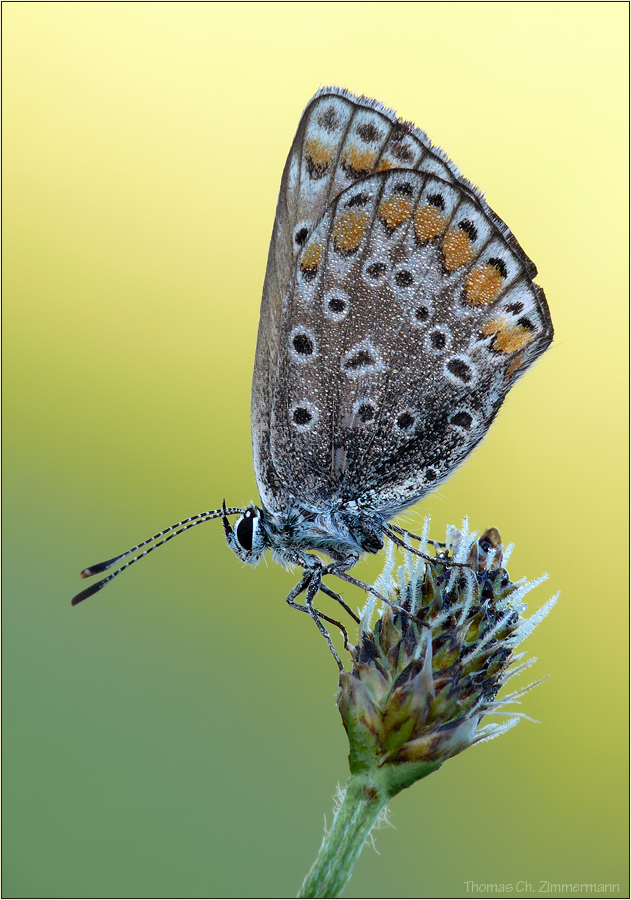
[162, 537]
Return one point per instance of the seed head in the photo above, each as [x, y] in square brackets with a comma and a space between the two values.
[421, 683]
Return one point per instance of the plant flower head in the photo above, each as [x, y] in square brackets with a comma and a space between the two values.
[421, 684]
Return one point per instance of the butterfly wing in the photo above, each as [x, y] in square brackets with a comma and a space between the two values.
[397, 312]
[340, 139]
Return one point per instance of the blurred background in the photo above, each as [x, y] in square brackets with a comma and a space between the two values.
[176, 735]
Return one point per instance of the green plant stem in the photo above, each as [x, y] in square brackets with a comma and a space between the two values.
[366, 796]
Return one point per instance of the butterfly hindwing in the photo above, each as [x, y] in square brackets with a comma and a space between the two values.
[408, 320]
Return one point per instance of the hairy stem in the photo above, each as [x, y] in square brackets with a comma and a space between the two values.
[366, 796]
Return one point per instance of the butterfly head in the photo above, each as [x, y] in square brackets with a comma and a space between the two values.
[248, 538]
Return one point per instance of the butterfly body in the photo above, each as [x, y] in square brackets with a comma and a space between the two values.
[295, 533]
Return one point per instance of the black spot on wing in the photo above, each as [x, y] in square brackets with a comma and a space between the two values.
[405, 421]
[303, 344]
[366, 412]
[404, 278]
[462, 419]
[468, 228]
[436, 200]
[302, 416]
[498, 264]
[460, 370]
[359, 360]
[376, 269]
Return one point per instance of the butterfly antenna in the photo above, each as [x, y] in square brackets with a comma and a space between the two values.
[162, 537]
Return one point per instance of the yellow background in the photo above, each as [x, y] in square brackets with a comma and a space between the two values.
[176, 736]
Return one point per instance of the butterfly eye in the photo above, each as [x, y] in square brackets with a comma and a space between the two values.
[245, 530]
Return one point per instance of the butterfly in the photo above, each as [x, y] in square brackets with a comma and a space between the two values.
[398, 310]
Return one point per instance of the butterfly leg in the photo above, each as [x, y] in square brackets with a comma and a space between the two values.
[416, 537]
[339, 569]
[432, 559]
[306, 582]
[313, 587]
[327, 590]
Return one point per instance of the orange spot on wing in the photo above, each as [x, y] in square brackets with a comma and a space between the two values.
[349, 229]
[358, 161]
[457, 249]
[512, 339]
[395, 210]
[508, 338]
[429, 223]
[311, 257]
[318, 155]
[493, 326]
[384, 164]
[515, 364]
[483, 284]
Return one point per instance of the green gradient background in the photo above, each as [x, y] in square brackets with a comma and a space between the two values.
[176, 736]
